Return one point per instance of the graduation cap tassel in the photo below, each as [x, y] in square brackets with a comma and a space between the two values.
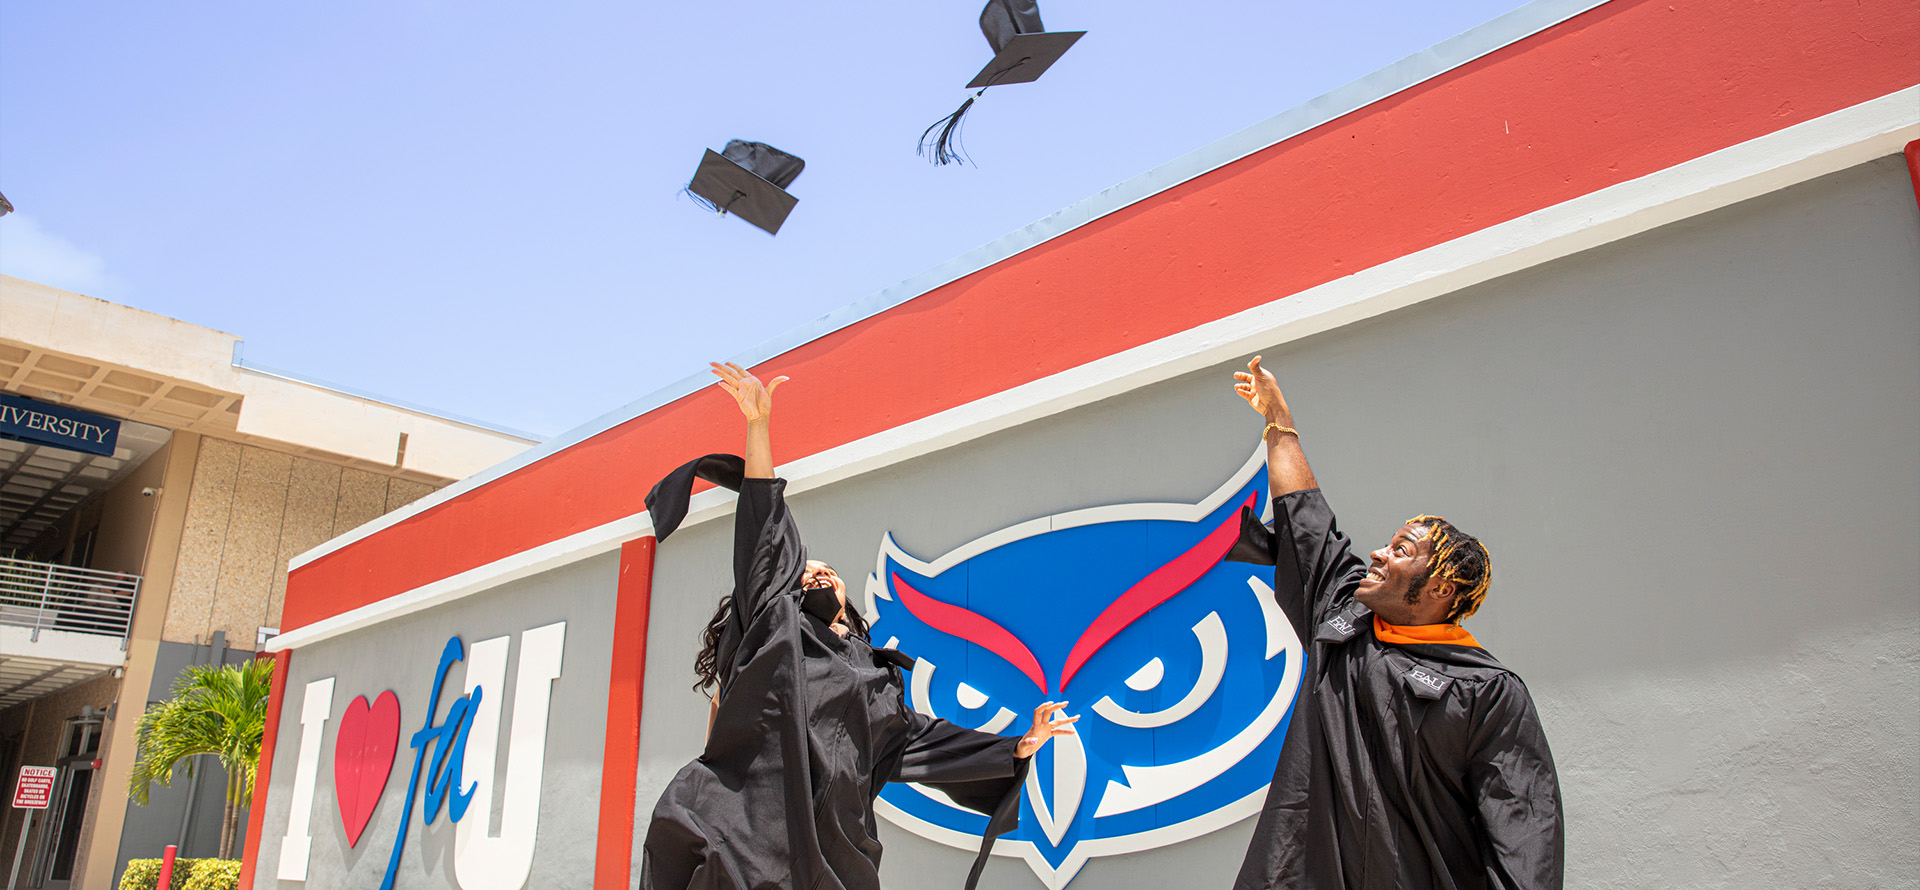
[946, 147]
[701, 200]
[711, 205]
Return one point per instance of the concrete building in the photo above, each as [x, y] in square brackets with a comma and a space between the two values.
[1629, 289]
[152, 489]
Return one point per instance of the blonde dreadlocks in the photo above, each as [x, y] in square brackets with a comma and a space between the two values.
[1459, 558]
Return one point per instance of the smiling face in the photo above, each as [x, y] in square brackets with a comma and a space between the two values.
[818, 575]
[1399, 586]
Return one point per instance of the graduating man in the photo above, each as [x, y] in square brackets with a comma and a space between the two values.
[1414, 759]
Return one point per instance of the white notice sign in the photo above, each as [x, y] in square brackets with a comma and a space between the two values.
[34, 791]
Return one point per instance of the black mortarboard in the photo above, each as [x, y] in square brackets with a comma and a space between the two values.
[748, 180]
[1023, 49]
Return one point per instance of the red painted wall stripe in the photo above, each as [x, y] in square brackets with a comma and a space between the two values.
[1620, 92]
[1913, 167]
[626, 685]
[257, 812]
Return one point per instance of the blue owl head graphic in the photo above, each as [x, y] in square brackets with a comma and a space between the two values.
[1181, 665]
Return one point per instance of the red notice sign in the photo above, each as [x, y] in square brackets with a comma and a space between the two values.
[34, 791]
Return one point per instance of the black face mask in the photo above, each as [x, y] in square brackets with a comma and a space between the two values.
[821, 602]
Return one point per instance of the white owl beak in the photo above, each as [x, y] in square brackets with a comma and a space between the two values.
[1069, 767]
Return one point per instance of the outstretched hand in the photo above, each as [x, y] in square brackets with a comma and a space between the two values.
[755, 400]
[1262, 392]
[1044, 728]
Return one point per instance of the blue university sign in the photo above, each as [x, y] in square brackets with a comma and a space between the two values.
[44, 424]
[1182, 667]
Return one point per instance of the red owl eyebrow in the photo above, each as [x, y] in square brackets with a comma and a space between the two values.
[1153, 590]
[972, 627]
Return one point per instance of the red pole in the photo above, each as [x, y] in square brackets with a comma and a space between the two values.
[626, 683]
[166, 867]
[1913, 166]
[257, 814]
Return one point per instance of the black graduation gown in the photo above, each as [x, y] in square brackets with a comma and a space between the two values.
[1405, 766]
[809, 727]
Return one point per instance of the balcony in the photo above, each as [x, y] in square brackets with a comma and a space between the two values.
[59, 626]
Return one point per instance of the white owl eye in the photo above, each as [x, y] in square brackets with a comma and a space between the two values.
[1212, 635]
[1148, 676]
[920, 690]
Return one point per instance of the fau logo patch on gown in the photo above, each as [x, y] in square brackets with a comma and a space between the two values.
[1181, 665]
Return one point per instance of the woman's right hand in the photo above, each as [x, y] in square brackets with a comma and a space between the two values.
[755, 400]
[1044, 729]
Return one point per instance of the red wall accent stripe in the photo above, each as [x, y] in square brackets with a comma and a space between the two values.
[257, 813]
[1913, 167]
[626, 685]
[1628, 89]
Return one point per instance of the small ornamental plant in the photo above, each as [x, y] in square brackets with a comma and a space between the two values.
[144, 874]
[212, 874]
[188, 874]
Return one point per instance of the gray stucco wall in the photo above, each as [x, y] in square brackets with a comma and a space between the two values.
[401, 655]
[1693, 456]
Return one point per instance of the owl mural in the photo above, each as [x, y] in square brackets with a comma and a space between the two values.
[1182, 668]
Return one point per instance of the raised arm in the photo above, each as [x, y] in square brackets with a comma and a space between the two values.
[756, 403]
[767, 556]
[1287, 469]
[1313, 562]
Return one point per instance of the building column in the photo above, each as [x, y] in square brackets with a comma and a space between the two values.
[117, 750]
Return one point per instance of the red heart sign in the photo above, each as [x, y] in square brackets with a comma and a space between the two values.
[363, 758]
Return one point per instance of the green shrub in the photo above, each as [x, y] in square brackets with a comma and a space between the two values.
[144, 874]
[188, 874]
[212, 874]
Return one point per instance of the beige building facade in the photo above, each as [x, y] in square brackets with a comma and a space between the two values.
[120, 570]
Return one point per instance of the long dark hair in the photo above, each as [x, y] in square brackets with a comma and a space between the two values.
[706, 664]
[857, 627]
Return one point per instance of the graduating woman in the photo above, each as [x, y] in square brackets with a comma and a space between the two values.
[809, 719]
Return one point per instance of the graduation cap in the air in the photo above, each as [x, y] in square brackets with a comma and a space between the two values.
[748, 180]
[1023, 49]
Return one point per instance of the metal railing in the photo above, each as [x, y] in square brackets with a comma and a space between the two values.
[44, 596]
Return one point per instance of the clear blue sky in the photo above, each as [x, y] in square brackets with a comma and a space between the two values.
[473, 205]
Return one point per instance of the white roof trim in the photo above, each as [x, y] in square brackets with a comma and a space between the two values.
[377, 399]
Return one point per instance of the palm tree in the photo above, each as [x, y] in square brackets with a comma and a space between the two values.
[214, 710]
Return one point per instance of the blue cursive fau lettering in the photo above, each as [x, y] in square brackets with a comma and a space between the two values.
[442, 760]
